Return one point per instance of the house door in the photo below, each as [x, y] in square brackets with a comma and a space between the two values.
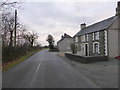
[86, 50]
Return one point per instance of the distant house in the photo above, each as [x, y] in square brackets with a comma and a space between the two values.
[64, 43]
[101, 38]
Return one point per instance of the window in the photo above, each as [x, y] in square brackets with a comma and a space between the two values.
[82, 47]
[96, 47]
[76, 39]
[76, 45]
[93, 36]
[83, 38]
[86, 37]
[96, 36]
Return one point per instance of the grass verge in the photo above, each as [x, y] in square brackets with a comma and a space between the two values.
[13, 63]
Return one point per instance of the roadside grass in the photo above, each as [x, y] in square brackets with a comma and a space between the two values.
[19, 60]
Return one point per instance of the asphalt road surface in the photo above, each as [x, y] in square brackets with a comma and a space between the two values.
[45, 70]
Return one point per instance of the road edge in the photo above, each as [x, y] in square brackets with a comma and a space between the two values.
[21, 59]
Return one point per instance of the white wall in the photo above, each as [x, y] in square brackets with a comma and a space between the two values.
[113, 44]
[119, 42]
[64, 45]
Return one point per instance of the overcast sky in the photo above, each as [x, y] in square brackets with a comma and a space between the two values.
[60, 16]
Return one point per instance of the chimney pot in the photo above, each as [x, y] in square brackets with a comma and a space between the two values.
[83, 25]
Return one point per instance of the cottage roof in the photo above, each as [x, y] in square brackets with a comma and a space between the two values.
[63, 37]
[97, 26]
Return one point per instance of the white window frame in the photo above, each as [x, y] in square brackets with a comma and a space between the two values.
[76, 39]
[93, 36]
[83, 38]
[98, 47]
[96, 36]
[82, 47]
[86, 37]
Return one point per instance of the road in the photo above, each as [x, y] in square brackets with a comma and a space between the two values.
[45, 70]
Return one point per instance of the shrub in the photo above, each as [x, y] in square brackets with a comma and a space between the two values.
[73, 48]
[11, 53]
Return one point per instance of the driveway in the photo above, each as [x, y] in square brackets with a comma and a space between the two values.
[103, 73]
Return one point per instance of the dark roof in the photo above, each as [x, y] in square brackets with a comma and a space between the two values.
[97, 26]
[65, 36]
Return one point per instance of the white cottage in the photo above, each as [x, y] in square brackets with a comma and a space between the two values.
[64, 43]
[101, 38]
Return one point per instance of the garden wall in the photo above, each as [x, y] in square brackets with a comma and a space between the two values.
[86, 59]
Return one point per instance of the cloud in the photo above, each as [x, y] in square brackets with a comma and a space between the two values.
[57, 18]
[69, 0]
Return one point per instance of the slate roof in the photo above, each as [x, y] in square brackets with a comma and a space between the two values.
[65, 36]
[97, 26]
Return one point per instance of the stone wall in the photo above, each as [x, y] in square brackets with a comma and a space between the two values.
[90, 44]
[86, 59]
[102, 42]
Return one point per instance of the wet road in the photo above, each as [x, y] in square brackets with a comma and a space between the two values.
[45, 70]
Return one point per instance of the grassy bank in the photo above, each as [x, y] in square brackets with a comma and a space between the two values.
[8, 65]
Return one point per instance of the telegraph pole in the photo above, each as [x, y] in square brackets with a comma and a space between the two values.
[15, 27]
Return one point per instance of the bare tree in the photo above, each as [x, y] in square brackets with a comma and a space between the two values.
[9, 22]
[7, 5]
[73, 48]
[20, 33]
[31, 37]
[8, 26]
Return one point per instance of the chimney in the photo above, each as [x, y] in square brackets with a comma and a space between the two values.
[118, 9]
[83, 25]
